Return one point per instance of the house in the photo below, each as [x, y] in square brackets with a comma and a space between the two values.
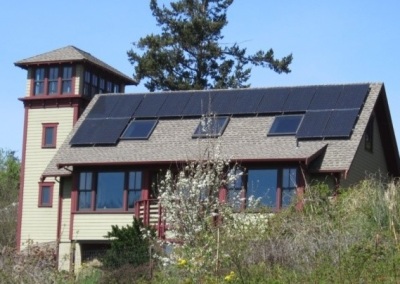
[100, 168]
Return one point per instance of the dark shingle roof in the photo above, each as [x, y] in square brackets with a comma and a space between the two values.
[71, 54]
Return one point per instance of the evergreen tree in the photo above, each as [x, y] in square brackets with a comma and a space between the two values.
[188, 53]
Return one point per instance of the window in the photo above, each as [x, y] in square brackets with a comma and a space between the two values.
[211, 127]
[139, 129]
[134, 188]
[46, 194]
[95, 83]
[49, 135]
[285, 125]
[369, 136]
[85, 190]
[53, 80]
[274, 188]
[39, 82]
[235, 188]
[104, 191]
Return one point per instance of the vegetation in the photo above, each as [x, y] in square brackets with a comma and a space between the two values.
[188, 54]
[9, 185]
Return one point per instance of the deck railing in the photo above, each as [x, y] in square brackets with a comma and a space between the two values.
[150, 212]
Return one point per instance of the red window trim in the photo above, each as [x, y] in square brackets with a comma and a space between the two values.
[46, 81]
[45, 126]
[42, 185]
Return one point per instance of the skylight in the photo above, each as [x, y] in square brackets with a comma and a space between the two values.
[139, 129]
[211, 127]
[285, 125]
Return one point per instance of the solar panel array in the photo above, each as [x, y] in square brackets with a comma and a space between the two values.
[329, 111]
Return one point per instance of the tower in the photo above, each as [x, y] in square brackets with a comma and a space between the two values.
[60, 84]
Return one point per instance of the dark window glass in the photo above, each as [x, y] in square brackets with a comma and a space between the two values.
[45, 195]
[211, 126]
[262, 184]
[139, 129]
[110, 190]
[102, 87]
[85, 190]
[116, 88]
[67, 80]
[285, 125]
[134, 188]
[39, 81]
[289, 185]
[53, 81]
[49, 136]
[109, 87]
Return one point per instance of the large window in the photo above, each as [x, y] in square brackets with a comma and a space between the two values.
[275, 188]
[53, 80]
[117, 190]
[94, 84]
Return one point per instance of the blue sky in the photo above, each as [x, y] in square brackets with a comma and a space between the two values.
[332, 42]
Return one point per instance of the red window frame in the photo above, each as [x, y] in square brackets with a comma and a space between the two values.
[42, 187]
[60, 80]
[45, 128]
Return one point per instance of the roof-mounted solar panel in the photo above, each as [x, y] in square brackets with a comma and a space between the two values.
[352, 96]
[222, 102]
[198, 104]
[325, 98]
[273, 100]
[103, 106]
[247, 101]
[299, 99]
[99, 131]
[313, 124]
[126, 105]
[150, 105]
[174, 104]
[341, 123]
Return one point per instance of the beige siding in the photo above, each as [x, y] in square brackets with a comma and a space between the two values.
[28, 83]
[40, 224]
[66, 210]
[366, 163]
[96, 226]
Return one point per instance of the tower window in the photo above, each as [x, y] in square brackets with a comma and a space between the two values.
[53, 80]
[49, 135]
[46, 194]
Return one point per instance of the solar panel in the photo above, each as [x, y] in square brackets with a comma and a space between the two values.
[150, 105]
[198, 104]
[273, 100]
[299, 99]
[325, 97]
[285, 125]
[99, 131]
[247, 101]
[341, 123]
[313, 124]
[222, 102]
[126, 105]
[139, 129]
[352, 96]
[103, 106]
[174, 104]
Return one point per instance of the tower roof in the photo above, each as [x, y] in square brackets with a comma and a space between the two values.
[71, 54]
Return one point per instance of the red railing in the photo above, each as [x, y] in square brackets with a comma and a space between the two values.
[150, 212]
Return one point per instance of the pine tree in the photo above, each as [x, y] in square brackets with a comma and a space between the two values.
[188, 53]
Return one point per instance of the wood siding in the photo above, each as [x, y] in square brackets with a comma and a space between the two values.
[40, 224]
[79, 79]
[66, 210]
[366, 163]
[96, 226]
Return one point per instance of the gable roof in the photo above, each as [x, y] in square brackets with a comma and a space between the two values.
[244, 139]
[71, 54]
